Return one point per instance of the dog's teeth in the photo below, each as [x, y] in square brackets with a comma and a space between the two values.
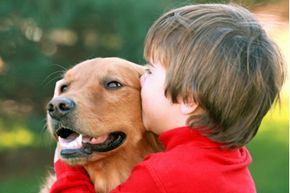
[80, 139]
[78, 142]
[86, 139]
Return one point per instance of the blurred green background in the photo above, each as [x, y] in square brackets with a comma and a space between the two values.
[40, 39]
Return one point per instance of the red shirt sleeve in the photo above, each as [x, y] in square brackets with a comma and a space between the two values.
[75, 180]
[141, 180]
[71, 179]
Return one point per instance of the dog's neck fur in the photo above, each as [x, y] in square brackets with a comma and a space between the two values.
[105, 179]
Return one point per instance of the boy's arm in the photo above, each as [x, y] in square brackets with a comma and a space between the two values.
[141, 180]
[75, 180]
[71, 179]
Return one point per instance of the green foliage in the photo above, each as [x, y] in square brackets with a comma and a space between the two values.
[270, 151]
[39, 38]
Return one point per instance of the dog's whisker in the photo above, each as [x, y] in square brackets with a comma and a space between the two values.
[61, 71]
[55, 75]
[44, 128]
[62, 67]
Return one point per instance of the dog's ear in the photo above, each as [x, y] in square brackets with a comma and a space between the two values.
[140, 69]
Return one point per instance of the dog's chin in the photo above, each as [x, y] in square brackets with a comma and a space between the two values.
[78, 148]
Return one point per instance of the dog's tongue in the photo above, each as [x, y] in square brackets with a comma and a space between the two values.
[75, 142]
[72, 142]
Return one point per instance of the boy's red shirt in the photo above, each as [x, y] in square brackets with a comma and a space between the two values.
[191, 163]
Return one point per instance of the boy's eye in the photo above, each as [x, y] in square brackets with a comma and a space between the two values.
[148, 71]
[63, 88]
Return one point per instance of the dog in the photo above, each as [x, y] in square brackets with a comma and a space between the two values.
[95, 114]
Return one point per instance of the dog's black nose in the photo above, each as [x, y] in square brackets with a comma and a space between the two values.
[60, 106]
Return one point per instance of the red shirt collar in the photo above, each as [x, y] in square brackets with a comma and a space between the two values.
[185, 135]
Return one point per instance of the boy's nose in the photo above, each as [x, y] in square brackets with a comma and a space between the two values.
[142, 79]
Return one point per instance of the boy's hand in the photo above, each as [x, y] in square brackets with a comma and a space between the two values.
[70, 179]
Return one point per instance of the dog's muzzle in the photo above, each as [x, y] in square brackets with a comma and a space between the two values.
[75, 144]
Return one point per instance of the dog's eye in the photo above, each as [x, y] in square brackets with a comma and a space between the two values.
[63, 88]
[113, 85]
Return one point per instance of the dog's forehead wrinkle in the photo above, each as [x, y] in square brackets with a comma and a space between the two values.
[69, 74]
[86, 68]
[80, 79]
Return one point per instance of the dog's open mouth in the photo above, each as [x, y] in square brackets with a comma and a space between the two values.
[78, 145]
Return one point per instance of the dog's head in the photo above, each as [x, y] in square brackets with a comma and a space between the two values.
[96, 109]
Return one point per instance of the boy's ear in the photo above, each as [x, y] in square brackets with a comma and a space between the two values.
[188, 108]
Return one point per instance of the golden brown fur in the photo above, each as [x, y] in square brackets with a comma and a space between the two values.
[101, 111]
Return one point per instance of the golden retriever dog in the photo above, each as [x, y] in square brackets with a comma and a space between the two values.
[96, 116]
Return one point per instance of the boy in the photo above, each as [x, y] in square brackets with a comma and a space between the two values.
[212, 77]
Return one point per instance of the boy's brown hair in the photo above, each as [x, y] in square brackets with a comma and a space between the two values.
[220, 57]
